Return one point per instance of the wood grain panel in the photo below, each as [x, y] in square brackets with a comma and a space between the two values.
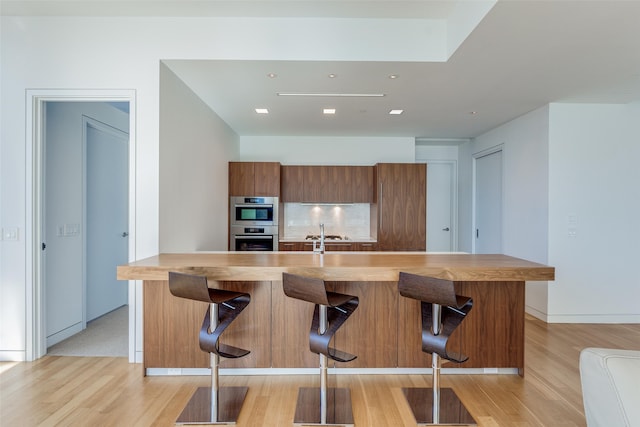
[362, 184]
[344, 266]
[371, 333]
[291, 184]
[172, 325]
[291, 320]
[492, 335]
[241, 181]
[401, 197]
[266, 178]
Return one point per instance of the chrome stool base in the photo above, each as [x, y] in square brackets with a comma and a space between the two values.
[451, 411]
[309, 407]
[199, 409]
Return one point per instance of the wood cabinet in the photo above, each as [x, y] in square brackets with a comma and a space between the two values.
[295, 246]
[365, 246]
[292, 184]
[327, 184]
[340, 246]
[254, 179]
[401, 206]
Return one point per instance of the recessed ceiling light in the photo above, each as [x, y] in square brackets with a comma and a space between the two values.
[396, 112]
[393, 76]
[329, 111]
[272, 75]
[262, 111]
[333, 76]
[473, 113]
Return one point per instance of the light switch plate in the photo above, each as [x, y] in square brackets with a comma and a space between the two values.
[10, 233]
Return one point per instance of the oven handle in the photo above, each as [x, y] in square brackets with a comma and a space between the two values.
[257, 205]
[269, 237]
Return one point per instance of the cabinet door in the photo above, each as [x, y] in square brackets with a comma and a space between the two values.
[241, 179]
[287, 246]
[315, 184]
[338, 247]
[401, 206]
[292, 183]
[361, 184]
[364, 247]
[266, 179]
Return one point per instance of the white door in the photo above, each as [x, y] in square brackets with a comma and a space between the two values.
[440, 192]
[107, 188]
[488, 204]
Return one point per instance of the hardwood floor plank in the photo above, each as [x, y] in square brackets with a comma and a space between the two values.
[106, 391]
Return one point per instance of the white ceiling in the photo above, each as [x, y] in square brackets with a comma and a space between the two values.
[522, 55]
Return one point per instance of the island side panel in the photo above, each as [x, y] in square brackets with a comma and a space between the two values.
[492, 335]
[170, 329]
[172, 326]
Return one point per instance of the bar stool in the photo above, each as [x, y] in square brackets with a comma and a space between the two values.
[215, 404]
[323, 406]
[442, 312]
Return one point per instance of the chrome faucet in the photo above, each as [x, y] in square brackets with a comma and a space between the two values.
[319, 249]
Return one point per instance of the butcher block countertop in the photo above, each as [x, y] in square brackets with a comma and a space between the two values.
[337, 266]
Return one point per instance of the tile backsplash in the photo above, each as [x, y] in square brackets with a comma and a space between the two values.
[351, 220]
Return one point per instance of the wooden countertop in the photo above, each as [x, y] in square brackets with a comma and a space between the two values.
[336, 266]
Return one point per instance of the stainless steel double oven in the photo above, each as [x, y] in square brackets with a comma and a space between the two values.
[253, 223]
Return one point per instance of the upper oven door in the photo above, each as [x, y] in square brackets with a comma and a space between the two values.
[253, 210]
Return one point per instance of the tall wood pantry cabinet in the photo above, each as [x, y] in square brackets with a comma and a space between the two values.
[401, 197]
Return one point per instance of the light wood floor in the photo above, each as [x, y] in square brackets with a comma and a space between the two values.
[96, 391]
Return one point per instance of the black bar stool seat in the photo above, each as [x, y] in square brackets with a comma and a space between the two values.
[323, 406]
[442, 311]
[212, 405]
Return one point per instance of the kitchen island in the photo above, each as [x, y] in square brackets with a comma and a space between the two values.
[384, 332]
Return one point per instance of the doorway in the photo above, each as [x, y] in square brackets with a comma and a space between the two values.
[441, 203]
[488, 202]
[70, 228]
[85, 201]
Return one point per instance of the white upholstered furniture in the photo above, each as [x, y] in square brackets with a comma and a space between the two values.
[610, 387]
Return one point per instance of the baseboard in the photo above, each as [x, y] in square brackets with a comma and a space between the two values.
[64, 334]
[593, 318]
[536, 313]
[12, 356]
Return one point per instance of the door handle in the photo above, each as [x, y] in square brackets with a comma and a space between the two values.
[125, 234]
[445, 229]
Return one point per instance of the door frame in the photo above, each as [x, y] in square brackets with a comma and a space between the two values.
[36, 99]
[476, 156]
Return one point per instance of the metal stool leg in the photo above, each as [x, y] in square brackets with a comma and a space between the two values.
[324, 406]
[215, 404]
[436, 406]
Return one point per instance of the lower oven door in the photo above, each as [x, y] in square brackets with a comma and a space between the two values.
[244, 242]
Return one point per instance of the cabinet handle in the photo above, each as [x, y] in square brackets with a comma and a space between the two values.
[380, 207]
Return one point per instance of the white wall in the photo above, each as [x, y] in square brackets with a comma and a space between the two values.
[594, 193]
[327, 151]
[525, 189]
[195, 149]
